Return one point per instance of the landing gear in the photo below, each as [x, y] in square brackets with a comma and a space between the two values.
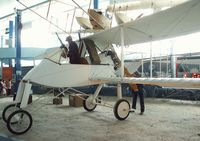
[88, 104]
[121, 109]
[19, 122]
[9, 110]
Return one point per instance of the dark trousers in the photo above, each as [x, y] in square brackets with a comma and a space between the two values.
[8, 91]
[134, 100]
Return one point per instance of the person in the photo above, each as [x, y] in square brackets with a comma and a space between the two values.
[137, 90]
[3, 92]
[9, 87]
[1, 85]
[73, 53]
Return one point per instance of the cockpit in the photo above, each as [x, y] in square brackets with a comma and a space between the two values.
[89, 52]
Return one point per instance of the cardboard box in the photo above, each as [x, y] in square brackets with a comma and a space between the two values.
[75, 100]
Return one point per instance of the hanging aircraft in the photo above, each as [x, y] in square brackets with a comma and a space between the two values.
[101, 64]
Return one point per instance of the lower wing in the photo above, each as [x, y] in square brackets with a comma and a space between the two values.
[165, 82]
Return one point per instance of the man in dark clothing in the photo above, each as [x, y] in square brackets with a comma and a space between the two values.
[138, 92]
[73, 53]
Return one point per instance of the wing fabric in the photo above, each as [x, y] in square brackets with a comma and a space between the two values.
[176, 21]
[165, 82]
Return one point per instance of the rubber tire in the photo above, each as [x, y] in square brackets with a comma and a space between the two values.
[5, 110]
[115, 109]
[13, 114]
[85, 105]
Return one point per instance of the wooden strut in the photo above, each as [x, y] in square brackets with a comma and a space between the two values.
[89, 15]
[112, 14]
[48, 9]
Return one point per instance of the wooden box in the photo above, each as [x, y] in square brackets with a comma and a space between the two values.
[75, 100]
[57, 100]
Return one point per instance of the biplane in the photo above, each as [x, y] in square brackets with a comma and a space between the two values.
[102, 65]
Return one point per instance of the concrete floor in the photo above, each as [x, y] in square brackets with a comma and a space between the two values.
[163, 120]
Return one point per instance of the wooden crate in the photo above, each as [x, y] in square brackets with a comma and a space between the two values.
[75, 100]
[57, 100]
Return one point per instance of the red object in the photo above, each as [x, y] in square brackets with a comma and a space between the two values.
[7, 73]
[195, 75]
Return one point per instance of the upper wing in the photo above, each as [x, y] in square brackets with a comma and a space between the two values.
[179, 20]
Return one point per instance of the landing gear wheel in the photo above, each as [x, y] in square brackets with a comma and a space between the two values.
[121, 109]
[9, 110]
[19, 122]
[88, 104]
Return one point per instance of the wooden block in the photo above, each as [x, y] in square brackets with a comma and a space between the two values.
[57, 100]
[75, 100]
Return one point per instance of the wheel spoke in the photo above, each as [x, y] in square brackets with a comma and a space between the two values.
[88, 104]
[19, 122]
[9, 110]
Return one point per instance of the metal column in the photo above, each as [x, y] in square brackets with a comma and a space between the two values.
[142, 66]
[96, 4]
[151, 64]
[173, 62]
[10, 41]
[10, 34]
[1, 41]
[18, 27]
[1, 47]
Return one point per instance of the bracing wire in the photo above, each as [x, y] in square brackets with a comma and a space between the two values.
[42, 17]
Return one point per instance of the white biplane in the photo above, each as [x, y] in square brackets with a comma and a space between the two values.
[102, 65]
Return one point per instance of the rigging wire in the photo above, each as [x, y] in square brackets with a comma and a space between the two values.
[42, 17]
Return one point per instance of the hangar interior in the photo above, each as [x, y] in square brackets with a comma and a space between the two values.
[31, 30]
